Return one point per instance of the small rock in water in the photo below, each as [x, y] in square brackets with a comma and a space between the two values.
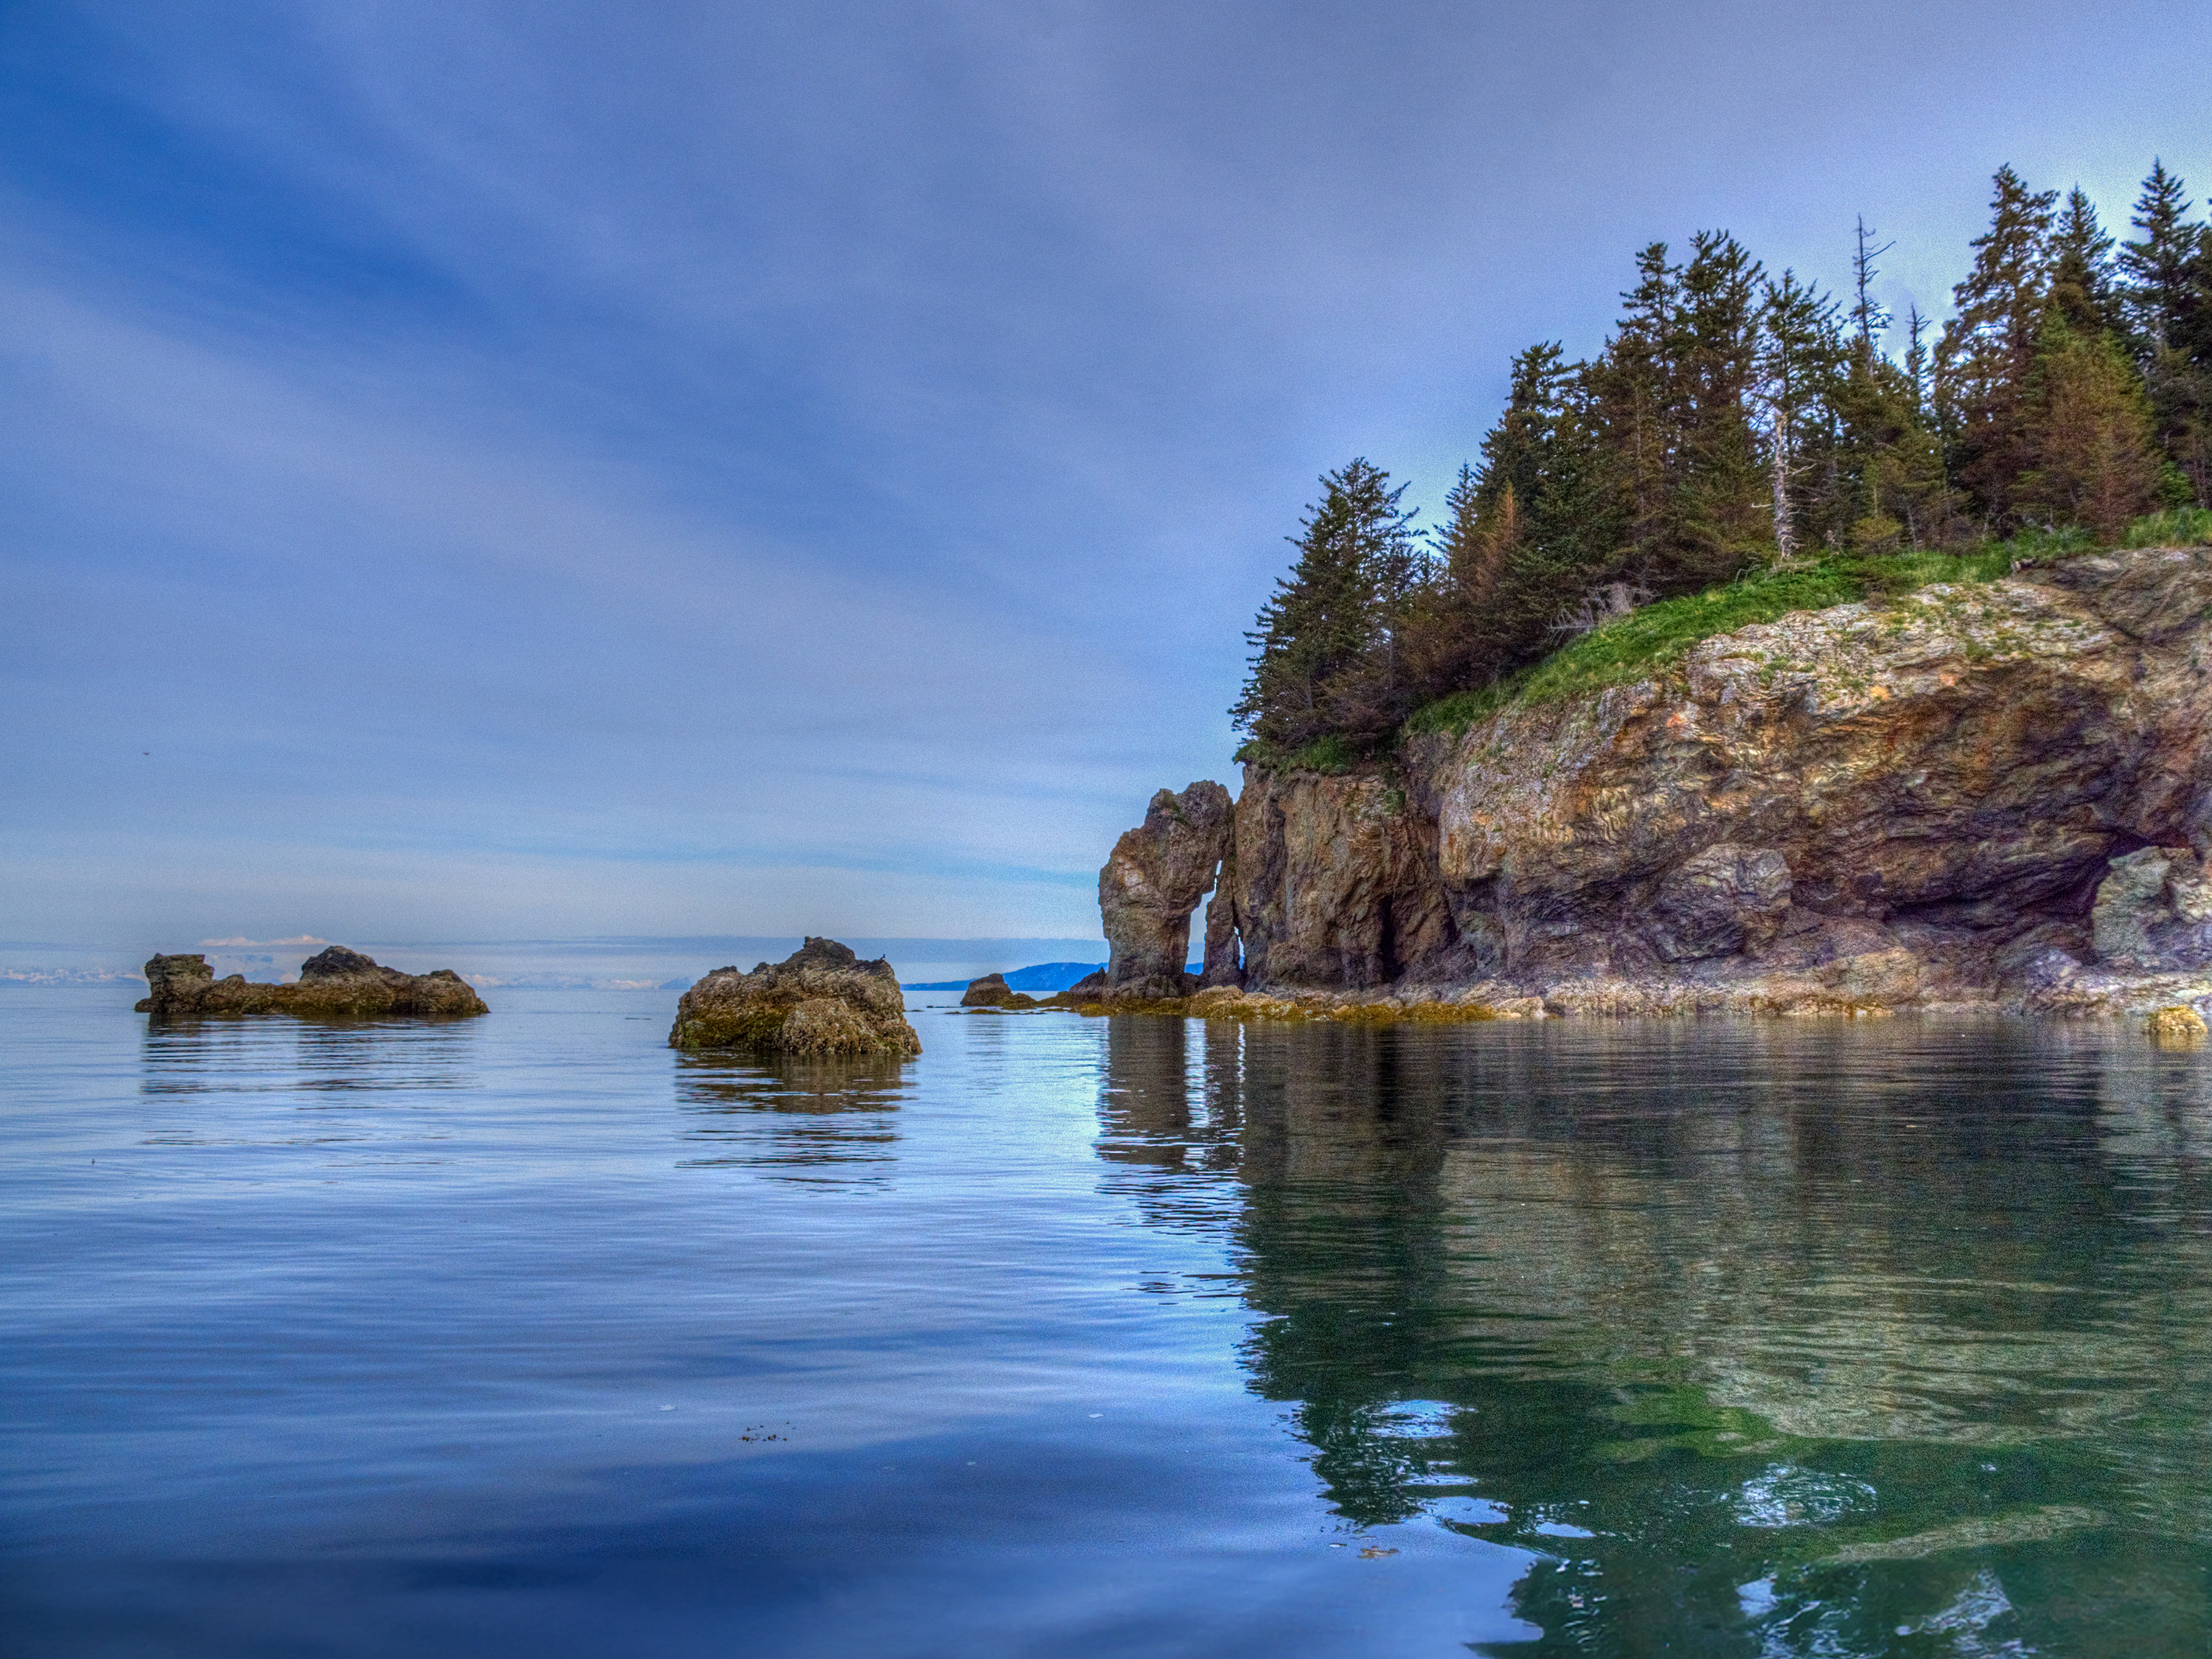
[336, 984]
[821, 999]
[2179, 1025]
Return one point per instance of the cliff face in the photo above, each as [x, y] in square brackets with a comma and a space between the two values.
[1979, 792]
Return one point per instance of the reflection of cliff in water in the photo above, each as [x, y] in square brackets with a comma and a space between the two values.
[1769, 1339]
[826, 1119]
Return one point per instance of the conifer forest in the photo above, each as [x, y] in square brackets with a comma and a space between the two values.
[1745, 428]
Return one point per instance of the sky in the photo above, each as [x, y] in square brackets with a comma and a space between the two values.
[476, 470]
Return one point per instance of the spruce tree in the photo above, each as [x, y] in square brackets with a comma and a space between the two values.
[2161, 292]
[1719, 518]
[1633, 387]
[1457, 632]
[2083, 283]
[2167, 294]
[1800, 355]
[1988, 348]
[2089, 428]
[1315, 635]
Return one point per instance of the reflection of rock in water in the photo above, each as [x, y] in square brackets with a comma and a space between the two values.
[827, 1119]
[306, 1055]
[1169, 1113]
[1740, 1303]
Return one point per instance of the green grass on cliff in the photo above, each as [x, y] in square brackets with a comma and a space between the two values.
[1652, 640]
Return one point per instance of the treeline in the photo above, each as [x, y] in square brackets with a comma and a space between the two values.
[1736, 419]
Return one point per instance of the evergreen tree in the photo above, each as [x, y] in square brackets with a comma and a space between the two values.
[1988, 348]
[2089, 432]
[1720, 517]
[1799, 358]
[2082, 273]
[2161, 290]
[1318, 632]
[1457, 629]
[1633, 393]
[2169, 298]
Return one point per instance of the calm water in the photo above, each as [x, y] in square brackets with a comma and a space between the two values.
[1101, 1337]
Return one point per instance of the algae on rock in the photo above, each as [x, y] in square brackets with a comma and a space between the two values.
[335, 984]
[820, 1000]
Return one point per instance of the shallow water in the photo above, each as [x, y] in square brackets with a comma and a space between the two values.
[1101, 1337]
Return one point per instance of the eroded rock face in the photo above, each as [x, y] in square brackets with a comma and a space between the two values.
[1726, 901]
[820, 1000]
[339, 984]
[1337, 887]
[1155, 879]
[2153, 910]
[1876, 806]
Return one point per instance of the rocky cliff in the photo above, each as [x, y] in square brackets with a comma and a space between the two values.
[1995, 792]
[335, 984]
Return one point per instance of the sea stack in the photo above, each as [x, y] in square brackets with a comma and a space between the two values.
[820, 1000]
[1155, 879]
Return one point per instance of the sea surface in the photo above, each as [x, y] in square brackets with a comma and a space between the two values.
[1082, 1337]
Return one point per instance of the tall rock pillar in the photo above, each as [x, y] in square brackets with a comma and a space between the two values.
[1158, 873]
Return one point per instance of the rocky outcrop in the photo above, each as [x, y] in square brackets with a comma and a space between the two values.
[2153, 910]
[336, 984]
[1337, 887]
[1979, 793]
[992, 991]
[1155, 879]
[820, 1000]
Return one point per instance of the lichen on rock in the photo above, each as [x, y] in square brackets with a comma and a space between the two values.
[820, 1000]
[335, 984]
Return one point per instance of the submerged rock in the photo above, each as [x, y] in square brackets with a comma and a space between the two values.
[1155, 879]
[336, 984]
[820, 1000]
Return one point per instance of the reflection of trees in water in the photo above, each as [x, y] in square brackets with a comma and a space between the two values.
[1819, 1332]
[825, 1119]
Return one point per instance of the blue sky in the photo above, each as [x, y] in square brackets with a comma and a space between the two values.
[477, 470]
